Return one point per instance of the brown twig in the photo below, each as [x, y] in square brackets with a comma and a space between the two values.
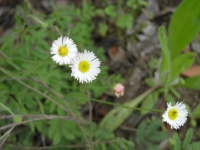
[47, 147]
[35, 118]
[6, 135]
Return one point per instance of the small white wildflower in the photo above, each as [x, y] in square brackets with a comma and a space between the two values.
[175, 115]
[63, 50]
[85, 67]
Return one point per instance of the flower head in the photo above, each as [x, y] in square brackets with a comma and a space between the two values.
[119, 90]
[175, 115]
[63, 50]
[85, 67]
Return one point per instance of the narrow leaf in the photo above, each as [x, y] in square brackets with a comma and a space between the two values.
[188, 137]
[165, 66]
[177, 142]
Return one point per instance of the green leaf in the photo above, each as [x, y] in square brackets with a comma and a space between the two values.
[56, 138]
[25, 7]
[110, 11]
[193, 146]
[103, 28]
[68, 135]
[40, 105]
[150, 82]
[118, 115]
[141, 132]
[165, 66]
[192, 83]
[176, 141]
[99, 12]
[181, 63]
[188, 137]
[124, 21]
[196, 112]
[104, 134]
[193, 122]
[149, 102]
[184, 25]
[170, 98]
[173, 90]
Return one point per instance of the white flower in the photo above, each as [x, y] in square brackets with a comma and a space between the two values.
[85, 67]
[175, 115]
[63, 50]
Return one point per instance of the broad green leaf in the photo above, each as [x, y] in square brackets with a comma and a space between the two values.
[165, 66]
[176, 141]
[184, 25]
[118, 115]
[188, 137]
[181, 63]
[192, 83]
[149, 102]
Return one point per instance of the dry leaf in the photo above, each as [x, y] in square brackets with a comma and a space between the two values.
[192, 71]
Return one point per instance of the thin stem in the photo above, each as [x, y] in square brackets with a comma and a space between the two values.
[90, 111]
[89, 102]
[57, 30]
[5, 136]
[79, 146]
[37, 19]
[42, 117]
[6, 108]
[120, 105]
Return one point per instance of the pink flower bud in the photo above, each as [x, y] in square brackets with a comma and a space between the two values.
[119, 90]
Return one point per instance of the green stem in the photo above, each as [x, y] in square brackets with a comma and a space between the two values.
[37, 19]
[6, 108]
[120, 105]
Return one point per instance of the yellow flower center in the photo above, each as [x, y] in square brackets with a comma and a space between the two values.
[173, 114]
[84, 66]
[62, 51]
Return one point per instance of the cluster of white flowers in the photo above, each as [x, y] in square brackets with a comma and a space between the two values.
[85, 66]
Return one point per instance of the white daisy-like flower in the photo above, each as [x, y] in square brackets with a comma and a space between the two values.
[63, 50]
[85, 66]
[175, 115]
